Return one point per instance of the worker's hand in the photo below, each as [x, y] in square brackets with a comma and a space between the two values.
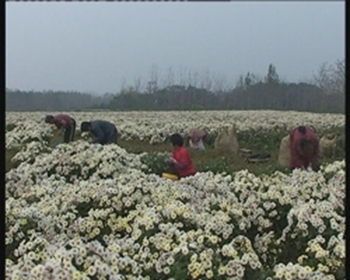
[171, 160]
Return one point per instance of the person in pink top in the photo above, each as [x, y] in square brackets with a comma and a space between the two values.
[65, 123]
[304, 147]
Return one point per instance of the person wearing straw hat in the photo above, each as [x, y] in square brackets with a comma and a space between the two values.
[195, 138]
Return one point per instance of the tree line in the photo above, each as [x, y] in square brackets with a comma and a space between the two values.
[324, 94]
[18, 100]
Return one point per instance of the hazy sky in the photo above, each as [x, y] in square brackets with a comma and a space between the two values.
[98, 47]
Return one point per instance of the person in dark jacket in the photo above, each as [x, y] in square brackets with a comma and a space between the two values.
[65, 123]
[103, 132]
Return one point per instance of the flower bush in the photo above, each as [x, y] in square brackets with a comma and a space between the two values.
[154, 163]
[22, 130]
[30, 151]
[220, 165]
[129, 224]
[156, 127]
[83, 211]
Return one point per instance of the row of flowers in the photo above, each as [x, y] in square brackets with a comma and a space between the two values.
[83, 211]
[22, 130]
[155, 127]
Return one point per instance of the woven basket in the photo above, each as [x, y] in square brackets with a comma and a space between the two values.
[169, 176]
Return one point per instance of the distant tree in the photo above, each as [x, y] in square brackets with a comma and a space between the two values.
[171, 77]
[247, 80]
[255, 78]
[195, 79]
[128, 91]
[137, 84]
[331, 78]
[272, 76]
[123, 83]
[206, 81]
[212, 94]
[17, 100]
[152, 85]
[192, 78]
[240, 82]
[339, 77]
[182, 74]
[219, 84]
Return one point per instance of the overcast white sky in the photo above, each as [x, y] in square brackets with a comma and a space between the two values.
[98, 47]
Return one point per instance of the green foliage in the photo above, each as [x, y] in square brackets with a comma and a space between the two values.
[219, 165]
[155, 163]
[272, 76]
[262, 140]
[331, 78]
[9, 164]
[210, 139]
[10, 127]
[248, 80]
[250, 94]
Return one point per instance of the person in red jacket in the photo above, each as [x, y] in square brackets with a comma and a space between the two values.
[180, 161]
[304, 147]
[65, 123]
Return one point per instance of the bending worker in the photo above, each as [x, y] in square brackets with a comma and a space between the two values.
[304, 148]
[195, 138]
[65, 123]
[103, 132]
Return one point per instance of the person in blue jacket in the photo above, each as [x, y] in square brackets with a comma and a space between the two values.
[103, 132]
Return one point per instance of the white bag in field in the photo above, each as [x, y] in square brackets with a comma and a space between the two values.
[284, 153]
[227, 141]
[327, 144]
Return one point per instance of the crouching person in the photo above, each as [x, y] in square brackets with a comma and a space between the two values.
[65, 123]
[195, 139]
[304, 148]
[180, 162]
[103, 132]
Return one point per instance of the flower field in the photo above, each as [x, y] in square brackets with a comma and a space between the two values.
[82, 211]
